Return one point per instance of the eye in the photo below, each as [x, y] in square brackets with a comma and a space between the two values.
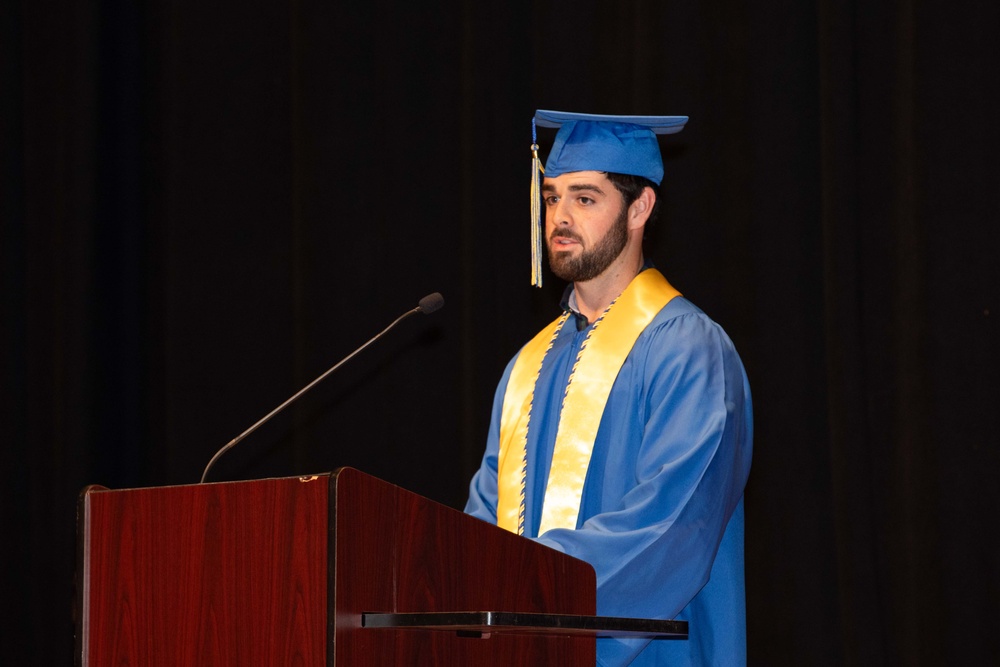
[586, 201]
[551, 200]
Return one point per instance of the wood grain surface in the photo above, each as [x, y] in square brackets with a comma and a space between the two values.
[398, 552]
[279, 572]
[215, 574]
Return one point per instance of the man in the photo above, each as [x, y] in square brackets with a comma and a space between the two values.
[621, 433]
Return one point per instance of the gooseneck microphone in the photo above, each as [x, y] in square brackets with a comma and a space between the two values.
[427, 305]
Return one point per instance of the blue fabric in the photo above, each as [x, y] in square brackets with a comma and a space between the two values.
[618, 144]
[661, 517]
[658, 124]
[609, 147]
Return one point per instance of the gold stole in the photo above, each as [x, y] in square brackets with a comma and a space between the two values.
[597, 366]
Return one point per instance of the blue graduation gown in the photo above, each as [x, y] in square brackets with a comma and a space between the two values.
[661, 517]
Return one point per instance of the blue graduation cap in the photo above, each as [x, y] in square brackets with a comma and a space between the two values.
[618, 144]
[595, 142]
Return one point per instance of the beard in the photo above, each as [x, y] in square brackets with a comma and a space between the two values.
[590, 263]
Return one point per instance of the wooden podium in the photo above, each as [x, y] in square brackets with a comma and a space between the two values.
[334, 569]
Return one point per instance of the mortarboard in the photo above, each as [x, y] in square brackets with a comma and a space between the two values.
[595, 142]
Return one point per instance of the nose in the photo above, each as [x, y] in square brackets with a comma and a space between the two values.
[558, 215]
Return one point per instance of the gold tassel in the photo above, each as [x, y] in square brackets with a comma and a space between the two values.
[537, 231]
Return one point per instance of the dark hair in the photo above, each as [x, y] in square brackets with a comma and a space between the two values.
[631, 187]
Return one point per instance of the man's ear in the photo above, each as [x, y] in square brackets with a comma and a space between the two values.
[641, 209]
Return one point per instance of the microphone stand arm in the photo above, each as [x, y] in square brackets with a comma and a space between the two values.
[232, 443]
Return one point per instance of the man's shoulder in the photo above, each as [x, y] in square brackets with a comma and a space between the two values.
[682, 323]
[680, 313]
[678, 306]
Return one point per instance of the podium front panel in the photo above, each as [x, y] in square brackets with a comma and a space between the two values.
[213, 574]
[396, 552]
[280, 571]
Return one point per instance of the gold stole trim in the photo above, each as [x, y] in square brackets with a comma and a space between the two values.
[595, 371]
[514, 425]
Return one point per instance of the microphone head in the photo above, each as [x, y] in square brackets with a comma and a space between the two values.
[430, 303]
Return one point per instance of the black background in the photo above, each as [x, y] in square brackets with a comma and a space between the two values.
[205, 205]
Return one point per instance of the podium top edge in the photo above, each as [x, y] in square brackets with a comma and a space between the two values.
[98, 488]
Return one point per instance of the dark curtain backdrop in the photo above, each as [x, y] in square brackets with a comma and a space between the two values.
[206, 205]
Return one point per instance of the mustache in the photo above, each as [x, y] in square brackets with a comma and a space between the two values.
[565, 234]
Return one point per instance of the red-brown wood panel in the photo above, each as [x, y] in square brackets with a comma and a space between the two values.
[236, 574]
[399, 552]
[215, 574]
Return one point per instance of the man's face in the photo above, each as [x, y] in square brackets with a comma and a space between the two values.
[586, 224]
